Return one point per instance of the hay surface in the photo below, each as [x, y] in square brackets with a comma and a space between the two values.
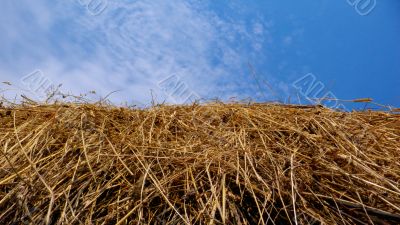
[198, 164]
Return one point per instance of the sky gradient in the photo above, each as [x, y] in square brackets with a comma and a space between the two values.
[176, 51]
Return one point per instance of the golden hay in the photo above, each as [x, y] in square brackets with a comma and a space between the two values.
[198, 164]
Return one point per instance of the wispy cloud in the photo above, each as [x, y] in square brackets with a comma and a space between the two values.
[132, 46]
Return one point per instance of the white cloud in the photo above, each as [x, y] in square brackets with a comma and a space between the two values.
[258, 28]
[133, 45]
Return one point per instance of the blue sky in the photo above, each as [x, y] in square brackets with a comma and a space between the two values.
[176, 51]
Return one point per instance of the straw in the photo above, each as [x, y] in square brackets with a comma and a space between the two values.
[211, 163]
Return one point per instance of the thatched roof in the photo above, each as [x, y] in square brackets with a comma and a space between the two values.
[198, 164]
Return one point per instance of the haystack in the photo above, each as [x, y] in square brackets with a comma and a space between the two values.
[198, 164]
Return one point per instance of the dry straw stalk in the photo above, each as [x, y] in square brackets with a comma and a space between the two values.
[198, 164]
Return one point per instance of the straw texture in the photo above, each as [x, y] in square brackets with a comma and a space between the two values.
[198, 164]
